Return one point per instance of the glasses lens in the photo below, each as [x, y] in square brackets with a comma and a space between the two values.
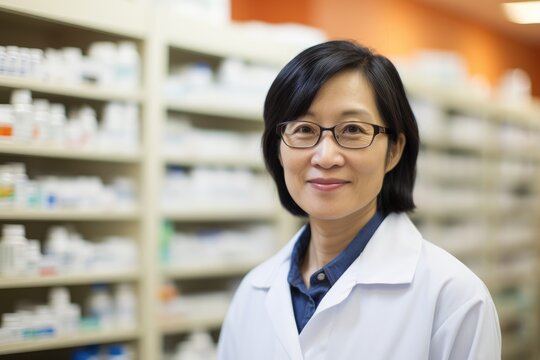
[355, 134]
[300, 133]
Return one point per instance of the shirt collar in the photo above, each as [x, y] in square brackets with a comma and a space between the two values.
[390, 257]
[335, 268]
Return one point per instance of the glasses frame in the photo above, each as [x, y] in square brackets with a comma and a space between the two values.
[377, 129]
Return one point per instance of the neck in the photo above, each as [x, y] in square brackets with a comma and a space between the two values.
[329, 238]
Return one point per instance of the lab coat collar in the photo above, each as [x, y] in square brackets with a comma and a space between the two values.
[390, 257]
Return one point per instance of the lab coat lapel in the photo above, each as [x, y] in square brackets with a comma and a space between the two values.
[390, 257]
[271, 277]
[280, 312]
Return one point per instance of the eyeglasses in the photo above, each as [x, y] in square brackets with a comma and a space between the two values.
[350, 135]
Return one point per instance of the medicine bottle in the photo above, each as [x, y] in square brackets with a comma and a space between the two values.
[6, 123]
[100, 306]
[20, 181]
[57, 124]
[40, 129]
[13, 250]
[125, 306]
[21, 100]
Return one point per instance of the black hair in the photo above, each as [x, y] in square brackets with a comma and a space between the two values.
[294, 89]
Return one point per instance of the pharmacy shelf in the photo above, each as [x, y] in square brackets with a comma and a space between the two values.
[446, 145]
[455, 98]
[516, 348]
[489, 151]
[196, 160]
[227, 40]
[83, 91]
[208, 320]
[209, 214]
[433, 212]
[507, 311]
[89, 15]
[69, 279]
[205, 270]
[60, 152]
[69, 215]
[67, 341]
[501, 278]
[79, 23]
[217, 108]
[521, 155]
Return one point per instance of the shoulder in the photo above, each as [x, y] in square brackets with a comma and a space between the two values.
[445, 269]
[465, 322]
[458, 291]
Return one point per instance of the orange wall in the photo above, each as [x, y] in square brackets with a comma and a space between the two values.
[399, 27]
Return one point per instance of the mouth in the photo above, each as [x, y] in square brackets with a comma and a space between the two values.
[327, 184]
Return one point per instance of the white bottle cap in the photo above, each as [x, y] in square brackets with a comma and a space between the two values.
[59, 298]
[21, 96]
[58, 108]
[41, 105]
[13, 230]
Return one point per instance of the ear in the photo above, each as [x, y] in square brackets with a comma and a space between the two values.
[395, 150]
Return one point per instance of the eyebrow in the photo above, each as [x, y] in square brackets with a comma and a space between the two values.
[347, 113]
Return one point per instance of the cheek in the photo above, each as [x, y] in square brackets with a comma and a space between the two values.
[371, 171]
[292, 167]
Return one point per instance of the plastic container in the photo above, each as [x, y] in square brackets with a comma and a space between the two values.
[57, 247]
[21, 100]
[127, 66]
[125, 302]
[33, 258]
[57, 124]
[100, 306]
[13, 250]
[20, 182]
[7, 124]
[41, 124]
[7, 187]
[117, 352]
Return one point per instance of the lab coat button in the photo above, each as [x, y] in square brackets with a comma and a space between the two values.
[321, 276]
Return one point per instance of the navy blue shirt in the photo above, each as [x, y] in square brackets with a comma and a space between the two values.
[305, 300]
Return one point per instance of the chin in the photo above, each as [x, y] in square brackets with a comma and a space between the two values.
[325, 212]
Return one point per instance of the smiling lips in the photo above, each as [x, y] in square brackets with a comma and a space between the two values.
[328, 184]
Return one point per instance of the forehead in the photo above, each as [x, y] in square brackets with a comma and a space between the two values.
[346, 93]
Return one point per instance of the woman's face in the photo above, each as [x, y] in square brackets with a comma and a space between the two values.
[330, 182]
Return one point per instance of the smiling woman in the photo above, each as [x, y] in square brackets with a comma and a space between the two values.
[355, 175]
[358, 281]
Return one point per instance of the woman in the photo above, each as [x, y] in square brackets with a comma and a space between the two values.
[358, 281]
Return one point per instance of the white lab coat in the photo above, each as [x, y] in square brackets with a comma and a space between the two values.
[403, 298]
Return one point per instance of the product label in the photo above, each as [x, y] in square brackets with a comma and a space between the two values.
[6, 132]
[7, 194]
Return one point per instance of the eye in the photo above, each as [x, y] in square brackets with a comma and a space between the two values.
[304, 129]
[301, 129]
[353, 129]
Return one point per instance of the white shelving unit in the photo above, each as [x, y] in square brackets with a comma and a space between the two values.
[89, 92]
[225, 269]
[101, 215]
[65, 23]
[59, 152]
[215, 108]
[69, 341]
[213, 44]
[68, 279]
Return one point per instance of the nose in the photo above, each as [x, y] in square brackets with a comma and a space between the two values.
[327, 153]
